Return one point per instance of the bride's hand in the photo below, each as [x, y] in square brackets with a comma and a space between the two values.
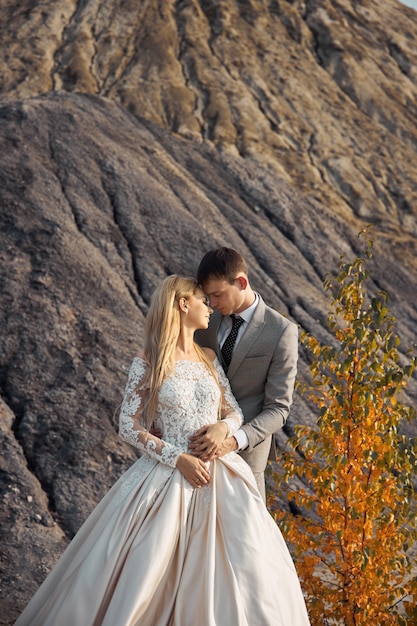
[193, 469]
[206, 441]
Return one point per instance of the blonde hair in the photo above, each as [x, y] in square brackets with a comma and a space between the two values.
[162, 329]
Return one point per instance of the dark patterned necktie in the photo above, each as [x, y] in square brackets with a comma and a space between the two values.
[230, 341]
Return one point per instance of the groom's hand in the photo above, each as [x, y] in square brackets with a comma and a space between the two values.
[206, 441]
[229, 445]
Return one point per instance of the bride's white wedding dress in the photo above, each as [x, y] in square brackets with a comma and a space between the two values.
[158, 552]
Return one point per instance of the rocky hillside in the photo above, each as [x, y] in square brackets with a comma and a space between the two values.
[322, 92]
[278, 128]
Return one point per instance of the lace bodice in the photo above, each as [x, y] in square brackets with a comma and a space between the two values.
[188, 399]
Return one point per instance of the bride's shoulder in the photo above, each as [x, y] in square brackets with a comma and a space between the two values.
[209, 353]
[139, 359]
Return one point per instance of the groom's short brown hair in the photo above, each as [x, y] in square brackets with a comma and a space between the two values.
[221, 263]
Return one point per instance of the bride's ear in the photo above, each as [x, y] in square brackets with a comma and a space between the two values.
[183, 305]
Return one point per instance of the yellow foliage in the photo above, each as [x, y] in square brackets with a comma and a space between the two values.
[351, 542]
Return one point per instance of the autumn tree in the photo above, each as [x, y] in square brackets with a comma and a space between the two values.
[353, 536]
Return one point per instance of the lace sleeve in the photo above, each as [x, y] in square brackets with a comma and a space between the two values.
[130, 427]
[231, 412]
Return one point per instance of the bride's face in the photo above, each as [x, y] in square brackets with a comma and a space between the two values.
[198, 310]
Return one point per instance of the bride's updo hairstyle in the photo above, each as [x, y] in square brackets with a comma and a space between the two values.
[162, 329]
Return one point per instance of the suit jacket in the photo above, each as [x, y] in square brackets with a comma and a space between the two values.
[262, 376]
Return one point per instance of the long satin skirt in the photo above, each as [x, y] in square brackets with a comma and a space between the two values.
[157, 552]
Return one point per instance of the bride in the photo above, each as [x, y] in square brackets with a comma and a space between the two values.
[177, 541]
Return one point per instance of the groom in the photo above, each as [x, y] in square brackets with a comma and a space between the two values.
[258, 349]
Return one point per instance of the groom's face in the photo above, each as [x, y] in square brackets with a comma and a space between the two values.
[226, 297]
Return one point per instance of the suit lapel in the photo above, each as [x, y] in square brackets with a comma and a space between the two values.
[250, 336]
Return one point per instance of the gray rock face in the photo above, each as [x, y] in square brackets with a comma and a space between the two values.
[323, 92]
[278, 128]
[97, 207]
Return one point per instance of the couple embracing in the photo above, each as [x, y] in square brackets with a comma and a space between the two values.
[184, 537]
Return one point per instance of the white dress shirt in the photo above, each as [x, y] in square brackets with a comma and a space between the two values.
[224, 330]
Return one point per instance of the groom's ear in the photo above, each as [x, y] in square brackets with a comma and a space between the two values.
[242, 282]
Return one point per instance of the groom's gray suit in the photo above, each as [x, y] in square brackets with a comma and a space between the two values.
[262, 376]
